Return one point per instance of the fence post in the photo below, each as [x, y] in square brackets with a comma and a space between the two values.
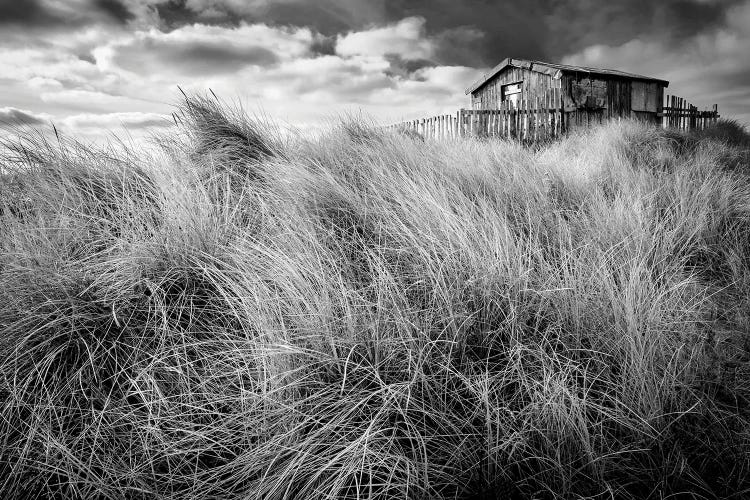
[506, 120]
[537, 117]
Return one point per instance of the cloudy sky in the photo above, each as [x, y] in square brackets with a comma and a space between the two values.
[95, 65]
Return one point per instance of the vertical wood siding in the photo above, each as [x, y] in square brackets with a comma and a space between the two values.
[588, 98]
[534, 83]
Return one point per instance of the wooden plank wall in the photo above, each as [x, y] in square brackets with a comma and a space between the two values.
[588, 99]
[534, 84]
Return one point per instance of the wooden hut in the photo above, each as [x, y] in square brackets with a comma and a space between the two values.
[588, 94]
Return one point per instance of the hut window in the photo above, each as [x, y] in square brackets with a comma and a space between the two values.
[512, 92]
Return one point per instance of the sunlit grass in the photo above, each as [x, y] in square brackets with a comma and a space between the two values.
[372, 315]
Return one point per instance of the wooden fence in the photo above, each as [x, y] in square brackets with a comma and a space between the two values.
[681, 115]
[528, 120]
[541, 118]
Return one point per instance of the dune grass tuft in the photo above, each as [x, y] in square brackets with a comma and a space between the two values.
[368, 314]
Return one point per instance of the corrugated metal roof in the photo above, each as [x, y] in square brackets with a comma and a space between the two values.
[555, 70]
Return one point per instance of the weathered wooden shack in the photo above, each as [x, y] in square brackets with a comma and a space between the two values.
[588, 94]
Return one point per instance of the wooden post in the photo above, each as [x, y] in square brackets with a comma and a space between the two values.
[506, 120]
[537, 116]
[501, 119]
[694, 118]
[670, 121]
[560, 105]
[682, 113]
[555, 115]
[546, 115]
[551, 110]
[555, 118]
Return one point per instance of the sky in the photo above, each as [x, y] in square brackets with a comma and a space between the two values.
[97, 66]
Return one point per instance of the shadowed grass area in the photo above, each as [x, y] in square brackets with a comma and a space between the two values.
[373, 315]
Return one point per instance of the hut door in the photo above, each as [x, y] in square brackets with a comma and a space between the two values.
[512, 92]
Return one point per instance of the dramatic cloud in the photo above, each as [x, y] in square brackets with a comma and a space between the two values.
[14, 116]
[115, 9]
[325, 16]
[576, 24]
[203, 50]
[405, 39]
[63, 13]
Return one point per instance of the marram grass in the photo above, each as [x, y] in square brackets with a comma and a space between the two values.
[372, 315]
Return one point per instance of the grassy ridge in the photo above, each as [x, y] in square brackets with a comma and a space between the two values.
[371, 315]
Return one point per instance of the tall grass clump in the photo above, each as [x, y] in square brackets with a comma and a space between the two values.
[368, 314]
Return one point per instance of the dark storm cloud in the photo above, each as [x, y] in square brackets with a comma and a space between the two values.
[469, 32]
[548, 29]
[324, 46]
[59, 14]
[193, 58]
[24, 12]
[498, 29]
[477, 32]
[580, 23]
[201, 58]
[328, 17]
[406, 68]
[115, 10]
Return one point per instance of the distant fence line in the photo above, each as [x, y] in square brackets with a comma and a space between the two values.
[540, 118]
[680, 114]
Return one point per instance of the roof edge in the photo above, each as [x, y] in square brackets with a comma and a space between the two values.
[484, 78]
[555, 71]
